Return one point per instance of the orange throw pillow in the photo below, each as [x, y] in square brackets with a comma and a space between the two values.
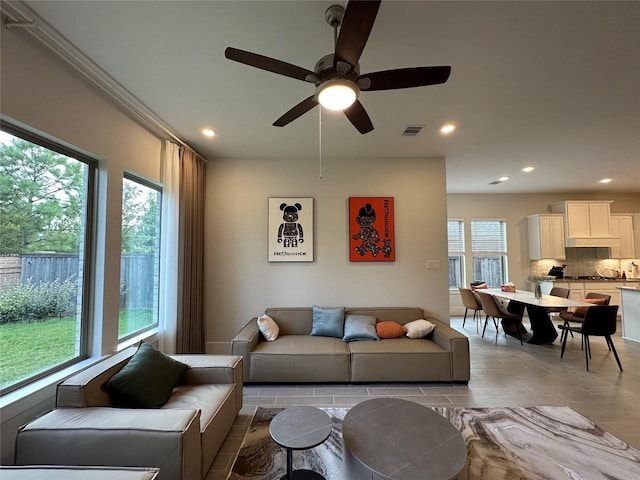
[390, 330]
[582, 311]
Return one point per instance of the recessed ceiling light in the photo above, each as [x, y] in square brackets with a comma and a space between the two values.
[503, 179]
[447, 128]
[528, 169]
[605, 180]
[207, 132]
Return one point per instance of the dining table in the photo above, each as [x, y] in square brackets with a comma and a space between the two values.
[542, 329]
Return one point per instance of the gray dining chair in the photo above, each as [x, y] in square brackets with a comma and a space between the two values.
[470, 302]
[496, 311]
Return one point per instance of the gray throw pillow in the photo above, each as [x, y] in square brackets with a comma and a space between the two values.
[359, 327]
[147, 380]
[328, 322]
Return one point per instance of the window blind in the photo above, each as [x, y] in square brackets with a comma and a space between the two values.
[488, 236]
[455, 231]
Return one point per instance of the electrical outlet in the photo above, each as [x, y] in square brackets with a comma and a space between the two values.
[432, 264]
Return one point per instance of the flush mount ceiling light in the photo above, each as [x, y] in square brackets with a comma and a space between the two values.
[207, 132]
[605, 180]
[528, 169]
[503, 179]
[447, 128]
[337, 94]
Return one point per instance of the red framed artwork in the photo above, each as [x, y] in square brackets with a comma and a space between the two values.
[371, 237]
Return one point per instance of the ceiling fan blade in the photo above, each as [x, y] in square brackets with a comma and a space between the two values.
[403, 78]
[268, 64]
[358, 116]
[297, 111]
[355, 29]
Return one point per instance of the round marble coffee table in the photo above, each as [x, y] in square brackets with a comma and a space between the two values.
[300, 428]
[394, 439]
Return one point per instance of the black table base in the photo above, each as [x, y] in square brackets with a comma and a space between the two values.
[541, 325]
[542, 329]
[302, 475]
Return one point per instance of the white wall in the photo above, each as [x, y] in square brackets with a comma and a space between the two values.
[240, 282]
[39, 91]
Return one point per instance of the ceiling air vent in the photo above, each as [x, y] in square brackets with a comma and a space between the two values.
[412, 130]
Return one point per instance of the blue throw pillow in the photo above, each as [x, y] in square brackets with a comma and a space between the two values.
[359, 327]
[328, 322]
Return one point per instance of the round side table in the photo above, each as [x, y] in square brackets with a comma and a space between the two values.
[394, 439]
[300, 428]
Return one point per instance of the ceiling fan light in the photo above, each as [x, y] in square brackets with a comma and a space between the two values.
[337, 94]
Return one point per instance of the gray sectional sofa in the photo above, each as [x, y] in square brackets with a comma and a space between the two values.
[181, 438]
[296, 356]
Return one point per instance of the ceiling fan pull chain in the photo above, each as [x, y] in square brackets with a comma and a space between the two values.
[320, 142]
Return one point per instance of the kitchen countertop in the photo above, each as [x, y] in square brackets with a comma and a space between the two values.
[597, 280]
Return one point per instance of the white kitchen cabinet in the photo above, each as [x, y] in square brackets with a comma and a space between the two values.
[608, 288]
[631, 313]
[622, 228]
[587, 223]
[546, 236]
[636, 235]
[576, 290]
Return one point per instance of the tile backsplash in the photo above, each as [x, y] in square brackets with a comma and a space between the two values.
[585, 261]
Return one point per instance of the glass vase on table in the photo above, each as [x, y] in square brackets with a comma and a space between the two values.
[537, 291]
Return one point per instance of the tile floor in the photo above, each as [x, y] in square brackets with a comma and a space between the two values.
[506, 374]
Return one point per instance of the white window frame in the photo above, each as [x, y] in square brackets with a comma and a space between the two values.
[489, 248]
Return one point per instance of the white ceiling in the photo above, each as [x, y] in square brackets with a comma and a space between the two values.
[552, 84]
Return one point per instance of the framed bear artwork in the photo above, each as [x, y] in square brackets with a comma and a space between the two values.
[371, 235]
[290, 229]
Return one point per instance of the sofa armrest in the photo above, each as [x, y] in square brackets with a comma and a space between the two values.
[212, 370]
[456, 343]
[244, 342]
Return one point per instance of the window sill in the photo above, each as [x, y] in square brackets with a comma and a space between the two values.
[20, 400]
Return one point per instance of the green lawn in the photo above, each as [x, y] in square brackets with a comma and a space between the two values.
[29, 348]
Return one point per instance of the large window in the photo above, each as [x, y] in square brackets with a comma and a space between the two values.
[489, 250]
[140, 258]
[45, 193]
[455, 231]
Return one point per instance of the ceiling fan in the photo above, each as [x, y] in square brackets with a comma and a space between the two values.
[337, 76]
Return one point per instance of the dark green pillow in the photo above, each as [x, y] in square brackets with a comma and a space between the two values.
[147, 380]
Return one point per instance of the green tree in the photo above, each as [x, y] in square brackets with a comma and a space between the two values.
[139, 218]
[40, 199]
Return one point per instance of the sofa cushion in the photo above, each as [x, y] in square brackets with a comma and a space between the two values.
[217, 409]
[359, 327]
[419, 328]
[328, 322]
[399, 360]
[301, 358]
[390, 329]
[268, 327]
[582, 311]
[146, 380]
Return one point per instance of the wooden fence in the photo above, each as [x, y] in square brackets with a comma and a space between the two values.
[137, 276]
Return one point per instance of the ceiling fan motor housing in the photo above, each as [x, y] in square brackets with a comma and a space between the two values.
[324, 70]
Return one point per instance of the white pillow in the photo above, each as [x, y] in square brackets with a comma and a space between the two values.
[268, 327]
[419, 328]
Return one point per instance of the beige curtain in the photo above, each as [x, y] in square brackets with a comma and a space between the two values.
[190, 329]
